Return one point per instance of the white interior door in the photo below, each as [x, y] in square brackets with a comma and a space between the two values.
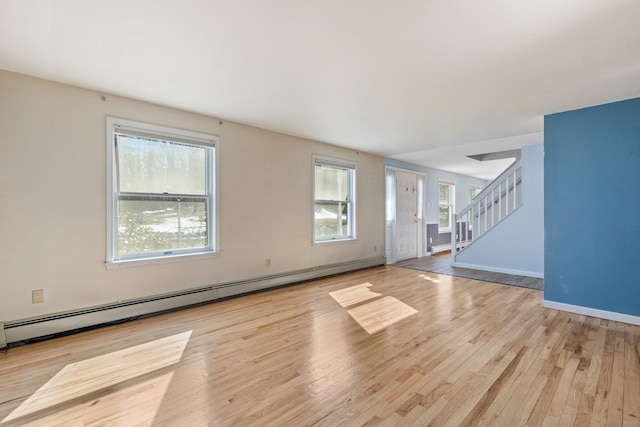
[406, 215]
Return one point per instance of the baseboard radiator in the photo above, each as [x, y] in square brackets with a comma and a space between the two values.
[58, 323]
[446, 247]
[440, 248]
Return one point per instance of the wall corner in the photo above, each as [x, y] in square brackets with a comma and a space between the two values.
[3, 338]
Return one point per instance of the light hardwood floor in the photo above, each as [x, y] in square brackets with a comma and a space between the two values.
[442, 351]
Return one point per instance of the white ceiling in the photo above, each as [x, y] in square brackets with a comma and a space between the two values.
[425, 81]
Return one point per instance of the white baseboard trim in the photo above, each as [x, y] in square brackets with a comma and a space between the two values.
[499, 270]
[56, 323]
[593, 312]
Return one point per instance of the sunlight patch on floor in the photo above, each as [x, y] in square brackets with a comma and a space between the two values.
[78, 380]
[136, 404]
[380, 314]
[354, 294]
[429, 278]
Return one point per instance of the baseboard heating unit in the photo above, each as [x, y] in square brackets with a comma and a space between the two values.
[58, 323]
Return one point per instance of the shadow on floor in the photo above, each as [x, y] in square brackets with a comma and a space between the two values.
[441, 264]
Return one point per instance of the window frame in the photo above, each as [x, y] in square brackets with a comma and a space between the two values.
[116, 126]
[352, 197]
[450, 207]
[474, 187]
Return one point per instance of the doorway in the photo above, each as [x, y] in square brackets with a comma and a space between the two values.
[404, 216]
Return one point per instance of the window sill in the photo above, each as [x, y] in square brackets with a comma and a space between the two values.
[111, 265]
[336, 241]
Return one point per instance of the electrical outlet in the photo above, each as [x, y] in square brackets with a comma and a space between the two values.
[267, 262]
[37, 296]
[430, 239]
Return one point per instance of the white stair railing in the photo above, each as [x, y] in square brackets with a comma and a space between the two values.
[490, 207]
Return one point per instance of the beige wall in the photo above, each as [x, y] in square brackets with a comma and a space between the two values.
[53, 201]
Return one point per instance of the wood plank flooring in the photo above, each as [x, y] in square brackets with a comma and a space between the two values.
[448, 351]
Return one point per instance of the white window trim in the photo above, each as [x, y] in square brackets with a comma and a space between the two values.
[194, 138]
[470, 212]
[332, 161]
[473, 187]
[452, 204]
[170, 259]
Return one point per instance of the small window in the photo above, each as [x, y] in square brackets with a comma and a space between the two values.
[474, 190]
[334, 200]
[161, 191]
[446, 201]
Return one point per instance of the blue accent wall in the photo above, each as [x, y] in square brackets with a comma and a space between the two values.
[592, 207]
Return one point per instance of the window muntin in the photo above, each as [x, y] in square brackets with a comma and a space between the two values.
[334, 200]
[446, 200]
[161, 192]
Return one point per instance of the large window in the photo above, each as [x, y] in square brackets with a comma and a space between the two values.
[161, 191]
[334, 200]
[446, 201]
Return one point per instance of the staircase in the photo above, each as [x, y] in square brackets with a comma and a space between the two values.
[490, 207]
